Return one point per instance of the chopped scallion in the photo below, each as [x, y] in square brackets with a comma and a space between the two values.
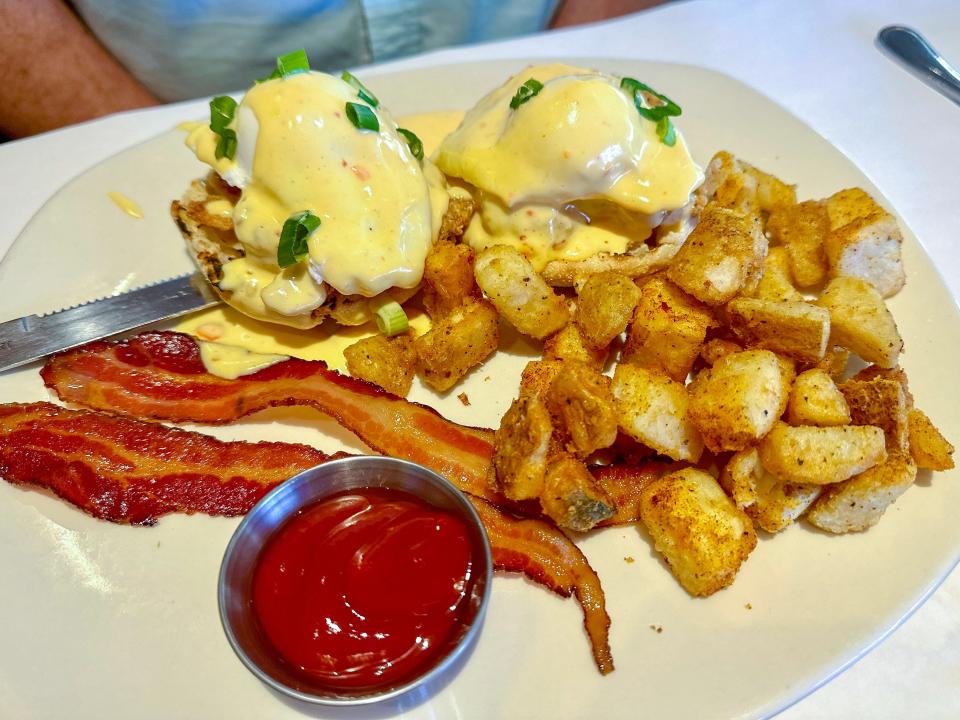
[666, 132]
[362, 117]
[362, 92]
[222, 109]
[526, 91]
[415, 144]
[641, 94]
[226, 145]
[293, 63]
[391, 319]
[293, 238]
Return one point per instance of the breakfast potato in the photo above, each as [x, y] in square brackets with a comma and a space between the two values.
[816, 400]
[796, 329]
[519, 294]
[604, 307]
[571, 496]
[897, 373]
[652, 409]
[727, 183]
[868, 248]
[775, 277]
[721, 257]
[580, 400]
[857, 504]
[522, 445]
[928, 448]
[701, 534]
[537, 376]
[387, 362]
[845, 206]
[802, 229]
[717, 348]
[769, 502]
[737, 400]
[568, 343]
[668, 329]
[860, 321]
[772, 192]
[456, 344]
[834, 363]
[460, 209]
[821, 455]
[881, 402]
[448, 279]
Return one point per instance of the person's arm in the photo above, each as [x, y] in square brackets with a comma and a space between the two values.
[55, 73]
[576, 12]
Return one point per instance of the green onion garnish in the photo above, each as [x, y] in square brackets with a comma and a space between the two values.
[293, 63]
[272, 76]
[640, 93]
[293, 238]
[666, 132]
[222, 109]
[391, 319]
[226, 145]
[526, 91]
[364, 94]
[362, 117]
[416, 146]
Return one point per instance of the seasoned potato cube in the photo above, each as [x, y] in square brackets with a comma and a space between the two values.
[579, 397]
[387, 362]
[727, 184]
[928, 447]
[881, 402]
[868, 248]
[895, 373]
[802, 229]
[775, 278]
[460, 210]
[668, 328]
[652, 409]
[796, 329]
[722, 256]
[815, 400]
[833, 362]
[770, 503]
[568, 344]
[772, 192]
[521, 447]
[701, 534]
[518, 293]
[537, 376]
[572, 498]
[456, 344]
[857, 504]
[860, 321]
[604, 307]
[448, 279]
[717, 348]
[821, 455]
[737, 401]
[845, 206]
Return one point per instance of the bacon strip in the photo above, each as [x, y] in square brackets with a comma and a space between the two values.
[129, 471]
[160, 375]
[545, 555]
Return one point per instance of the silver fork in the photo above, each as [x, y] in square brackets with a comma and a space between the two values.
[913, 52]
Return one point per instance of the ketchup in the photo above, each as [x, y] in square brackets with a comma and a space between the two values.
[364, 588]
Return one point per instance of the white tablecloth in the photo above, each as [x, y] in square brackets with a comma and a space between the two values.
[814, 57]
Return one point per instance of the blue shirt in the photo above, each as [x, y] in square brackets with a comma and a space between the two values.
[183, 49]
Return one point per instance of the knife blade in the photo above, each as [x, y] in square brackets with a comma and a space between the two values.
[35, 336]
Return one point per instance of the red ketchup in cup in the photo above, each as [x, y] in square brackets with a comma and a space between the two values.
[365, 588]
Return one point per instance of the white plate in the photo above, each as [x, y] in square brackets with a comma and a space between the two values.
[104, 620]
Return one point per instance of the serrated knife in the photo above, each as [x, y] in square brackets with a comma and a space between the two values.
[35, 336]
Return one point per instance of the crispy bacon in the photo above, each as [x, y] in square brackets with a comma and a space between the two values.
[129, 471]
[160, 375]
[545, 555]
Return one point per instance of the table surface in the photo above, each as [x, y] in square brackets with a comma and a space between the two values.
[817, 59]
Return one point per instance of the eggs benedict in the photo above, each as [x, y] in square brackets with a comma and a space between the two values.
[320, 204]
[574, 167]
